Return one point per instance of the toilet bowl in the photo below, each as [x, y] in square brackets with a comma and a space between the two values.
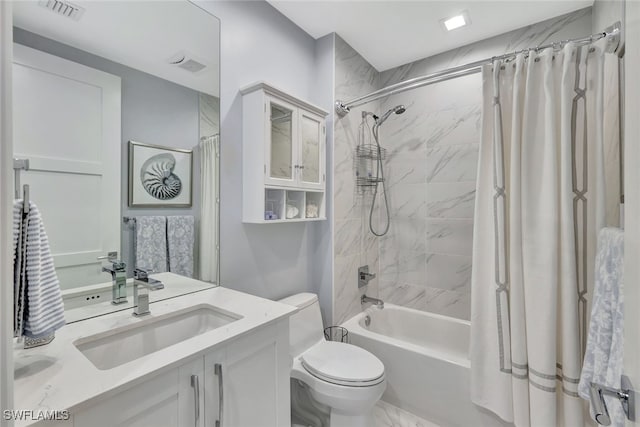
[342, 377]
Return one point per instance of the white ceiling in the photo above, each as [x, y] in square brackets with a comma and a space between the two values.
[140, 34]
[390, 33]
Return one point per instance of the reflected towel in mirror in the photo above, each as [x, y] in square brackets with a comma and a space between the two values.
[180, 238]
[151, 243]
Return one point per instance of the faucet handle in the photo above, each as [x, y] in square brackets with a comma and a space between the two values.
[116, 264]
[110, 256]
[142, 273]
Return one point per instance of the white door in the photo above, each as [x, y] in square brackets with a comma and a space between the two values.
[632, 199]
[67, 123]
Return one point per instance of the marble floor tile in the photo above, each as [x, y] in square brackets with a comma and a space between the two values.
[387, 415]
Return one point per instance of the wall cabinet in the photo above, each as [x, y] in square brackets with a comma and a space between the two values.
[245, 383]
[284, 157]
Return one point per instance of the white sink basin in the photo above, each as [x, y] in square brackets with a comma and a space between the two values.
[118, 346]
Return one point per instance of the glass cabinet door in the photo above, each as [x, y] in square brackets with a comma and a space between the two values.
[311, 150]
[281, 168]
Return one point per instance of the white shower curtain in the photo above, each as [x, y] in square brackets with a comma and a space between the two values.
[209, 196]
[539, 204]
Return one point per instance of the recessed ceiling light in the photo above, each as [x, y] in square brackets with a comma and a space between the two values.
[456, 21]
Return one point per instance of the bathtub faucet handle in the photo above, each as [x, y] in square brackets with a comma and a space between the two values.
[364, 277]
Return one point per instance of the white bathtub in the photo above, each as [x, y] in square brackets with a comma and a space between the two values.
[426, 363]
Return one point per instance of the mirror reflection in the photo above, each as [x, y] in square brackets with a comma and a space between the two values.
[116, 124]
[281, 142]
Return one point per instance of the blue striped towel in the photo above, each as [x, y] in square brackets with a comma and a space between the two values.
[39, 307]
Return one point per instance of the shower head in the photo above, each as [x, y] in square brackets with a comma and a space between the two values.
[398, 109]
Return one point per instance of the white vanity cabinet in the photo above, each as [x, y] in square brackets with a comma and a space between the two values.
[284, 157]
[243, 383]
[156, 402]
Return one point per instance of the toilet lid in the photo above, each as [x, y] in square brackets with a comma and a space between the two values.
[343, 364]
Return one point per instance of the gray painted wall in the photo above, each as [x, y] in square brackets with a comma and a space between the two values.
[259, 43]
[154, 111]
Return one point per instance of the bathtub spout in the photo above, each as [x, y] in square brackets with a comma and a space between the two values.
[378, 302]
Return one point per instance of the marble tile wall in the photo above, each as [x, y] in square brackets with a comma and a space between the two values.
[424, 261]
[354, 245]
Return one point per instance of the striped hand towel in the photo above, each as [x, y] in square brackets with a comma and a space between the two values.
[41, 311]
[181, 235]
[151, 243]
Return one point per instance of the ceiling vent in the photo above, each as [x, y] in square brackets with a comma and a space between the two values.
[63, 8]
[187, 61]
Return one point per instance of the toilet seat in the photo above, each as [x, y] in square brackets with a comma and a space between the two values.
[343, 364]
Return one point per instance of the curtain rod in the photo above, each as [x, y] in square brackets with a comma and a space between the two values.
[342, 108]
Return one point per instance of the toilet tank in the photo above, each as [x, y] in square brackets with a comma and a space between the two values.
[305, 326]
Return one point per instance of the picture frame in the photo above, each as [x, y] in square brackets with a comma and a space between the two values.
[159, 176]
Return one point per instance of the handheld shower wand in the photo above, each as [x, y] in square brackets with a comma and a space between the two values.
[398, 109]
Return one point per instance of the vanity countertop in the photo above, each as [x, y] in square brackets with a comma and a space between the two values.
[58, 376]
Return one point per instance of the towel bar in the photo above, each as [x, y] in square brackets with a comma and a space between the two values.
[625, 394]
[129, 219]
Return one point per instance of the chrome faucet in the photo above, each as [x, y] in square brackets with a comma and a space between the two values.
[142, 280]
[378, 302]
[118, 271]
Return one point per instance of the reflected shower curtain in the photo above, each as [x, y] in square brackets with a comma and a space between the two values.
[209, 155]
[539, 204]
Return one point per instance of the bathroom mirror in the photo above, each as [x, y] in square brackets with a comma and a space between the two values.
[89, 77]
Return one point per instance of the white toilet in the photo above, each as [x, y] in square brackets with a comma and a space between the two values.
[345, 379]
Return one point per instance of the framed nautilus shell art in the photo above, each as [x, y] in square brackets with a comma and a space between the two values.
[159, 176]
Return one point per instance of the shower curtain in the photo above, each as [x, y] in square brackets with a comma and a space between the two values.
[209, 154]
[539, 204]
